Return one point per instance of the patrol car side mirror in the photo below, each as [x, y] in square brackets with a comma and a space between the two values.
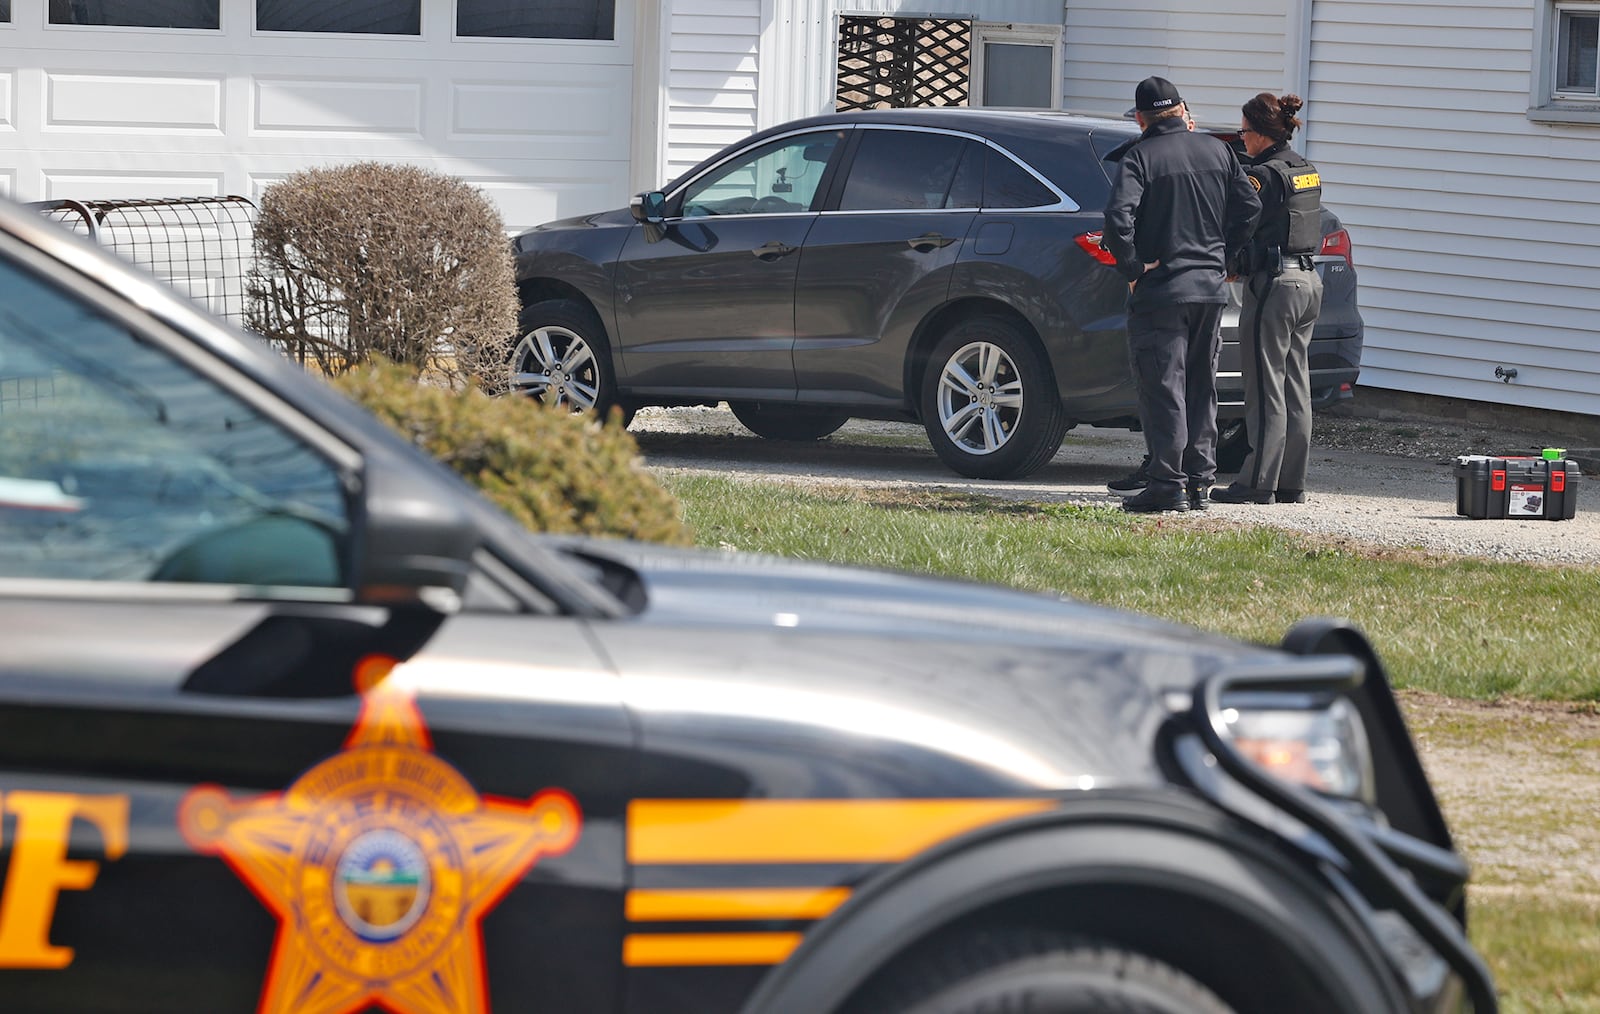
[416, 541]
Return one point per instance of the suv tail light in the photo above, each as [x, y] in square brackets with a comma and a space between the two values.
[1337, 244]
[1090, 242]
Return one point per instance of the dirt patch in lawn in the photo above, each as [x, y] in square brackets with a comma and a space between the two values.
[1519, 782]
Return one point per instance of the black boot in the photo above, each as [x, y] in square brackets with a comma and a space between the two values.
[1134, 481]
[1240, 493]
[1153, 500]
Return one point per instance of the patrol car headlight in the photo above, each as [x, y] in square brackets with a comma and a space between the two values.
[1322, 749]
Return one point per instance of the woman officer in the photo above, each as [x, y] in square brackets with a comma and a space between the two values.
[1282, 297]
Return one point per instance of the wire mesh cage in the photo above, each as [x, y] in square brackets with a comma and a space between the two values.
[201, 246]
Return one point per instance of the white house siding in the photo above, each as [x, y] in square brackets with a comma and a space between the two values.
[543, 126]
[1476, 231]
[1218, 52]
[712, 77]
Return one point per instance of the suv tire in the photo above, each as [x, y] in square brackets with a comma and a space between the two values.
[989, 401]
[788, 422]
[562, 357]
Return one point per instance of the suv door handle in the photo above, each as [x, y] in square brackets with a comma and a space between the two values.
[929, 241]
[771, 251]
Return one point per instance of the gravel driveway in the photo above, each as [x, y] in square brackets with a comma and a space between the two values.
[1388, 481]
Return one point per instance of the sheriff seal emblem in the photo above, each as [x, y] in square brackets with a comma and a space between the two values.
[379, 863]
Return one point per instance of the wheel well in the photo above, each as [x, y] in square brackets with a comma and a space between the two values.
[1248, 967]
[537, 290]
[936, 324]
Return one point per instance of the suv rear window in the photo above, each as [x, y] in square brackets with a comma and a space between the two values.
[1007, 185]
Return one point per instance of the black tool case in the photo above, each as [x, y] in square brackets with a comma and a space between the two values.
[1544, 489]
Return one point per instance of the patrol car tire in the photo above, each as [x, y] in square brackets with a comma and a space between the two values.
[561, 344]
[1043, 973]
[788, 422]
[1026, 408]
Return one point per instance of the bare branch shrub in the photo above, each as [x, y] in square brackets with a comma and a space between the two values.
[370, 259]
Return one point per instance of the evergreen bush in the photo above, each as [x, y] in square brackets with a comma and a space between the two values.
[549, 469]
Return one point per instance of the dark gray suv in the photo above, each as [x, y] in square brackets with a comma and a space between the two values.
[938, 265]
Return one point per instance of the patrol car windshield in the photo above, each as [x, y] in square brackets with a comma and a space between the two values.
[120, 463]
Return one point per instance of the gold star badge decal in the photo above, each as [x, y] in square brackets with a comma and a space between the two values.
[379, 864]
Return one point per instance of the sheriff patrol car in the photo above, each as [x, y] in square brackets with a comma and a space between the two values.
[291, 720]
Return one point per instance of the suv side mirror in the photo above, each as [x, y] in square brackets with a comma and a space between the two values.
[649, 208]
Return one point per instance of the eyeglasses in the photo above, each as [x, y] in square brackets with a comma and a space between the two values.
[1246, 130]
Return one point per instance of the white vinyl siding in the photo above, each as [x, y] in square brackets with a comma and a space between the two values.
[1218, 53]
[712, 78]
[1476, 231]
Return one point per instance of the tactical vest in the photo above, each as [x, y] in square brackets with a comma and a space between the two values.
[1295, 226]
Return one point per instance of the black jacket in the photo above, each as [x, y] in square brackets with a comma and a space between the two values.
[1180, 198]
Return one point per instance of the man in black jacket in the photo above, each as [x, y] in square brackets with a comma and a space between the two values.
[1180, 206]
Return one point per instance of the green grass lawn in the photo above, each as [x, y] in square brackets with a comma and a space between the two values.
[1464, 628]
[1457, 627]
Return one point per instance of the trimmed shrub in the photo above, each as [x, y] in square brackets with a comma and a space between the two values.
[549, 469]
[370, 259]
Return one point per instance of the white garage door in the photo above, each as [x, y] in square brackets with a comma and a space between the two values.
[528, 99]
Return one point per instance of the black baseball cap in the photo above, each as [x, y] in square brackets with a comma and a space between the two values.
[1153, 95]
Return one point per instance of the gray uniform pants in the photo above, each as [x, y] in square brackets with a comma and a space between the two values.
[1274, 355]
[1174, 356]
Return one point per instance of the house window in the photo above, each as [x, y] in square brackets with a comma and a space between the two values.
[536, 19]
[1577, 30]
[357, 17]
[1017, 66]
[5, 12]
[134, 13]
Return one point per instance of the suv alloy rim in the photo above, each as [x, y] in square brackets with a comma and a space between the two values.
[980, 398]
[555, 363]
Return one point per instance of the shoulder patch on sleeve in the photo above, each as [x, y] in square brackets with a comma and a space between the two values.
[1254, 181]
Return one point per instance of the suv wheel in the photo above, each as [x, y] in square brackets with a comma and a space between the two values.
[788, 422]
[989, 402]
[563, 358]
[1038, 971]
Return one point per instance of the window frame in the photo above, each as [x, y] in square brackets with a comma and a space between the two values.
[616, 30]
[847, 171]
[59, 26]
[1005, 33]
[295, 33]
[1064, 201]
[674, 199]
[1546, 102]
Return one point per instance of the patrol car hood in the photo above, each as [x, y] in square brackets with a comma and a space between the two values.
[950, 688]
[748, 590]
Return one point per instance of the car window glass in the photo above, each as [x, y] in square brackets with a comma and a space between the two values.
[1007, 185]
[777, 177]
[901, 170]
[966, 190]
[120, 463]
